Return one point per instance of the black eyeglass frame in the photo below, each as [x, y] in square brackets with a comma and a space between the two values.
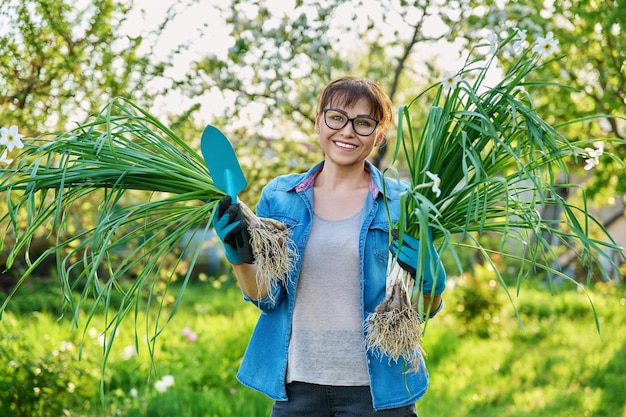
[348, 119]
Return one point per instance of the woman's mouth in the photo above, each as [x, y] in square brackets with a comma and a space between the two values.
[345, 145]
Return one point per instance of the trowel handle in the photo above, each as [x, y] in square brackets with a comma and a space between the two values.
[231, 186]
[244, 247]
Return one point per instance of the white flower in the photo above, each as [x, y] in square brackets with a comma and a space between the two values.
[66, 346]
[164, 383]
[10, 138]
[492, 38]
[450, 80]
[591, 163]
[95, 334]
[599, 145]
[436, 181]
[129, 352]
[160, 386]
[4, 159]
[546, 46]
[593, 155]
[518, 43]
[133, 392]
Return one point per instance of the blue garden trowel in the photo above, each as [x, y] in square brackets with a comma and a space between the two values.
[227, 175]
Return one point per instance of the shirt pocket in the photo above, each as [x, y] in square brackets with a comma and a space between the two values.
[379, 237]
[293, 225]
[289, 221]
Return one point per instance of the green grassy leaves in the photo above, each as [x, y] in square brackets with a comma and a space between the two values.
[484, 162]
[118, 197]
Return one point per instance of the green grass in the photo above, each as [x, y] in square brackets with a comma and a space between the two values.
[204, 370]
[557, 365]
[481, 361]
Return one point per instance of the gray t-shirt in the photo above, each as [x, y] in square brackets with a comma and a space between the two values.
[327, 345]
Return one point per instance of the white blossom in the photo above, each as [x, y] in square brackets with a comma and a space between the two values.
[436, 182]
[10, 138]
[593, 155]
[450, 80]
[4, 158]
[66, 346]
[546, 46]
[492, 38]
[93, 332]
[164, 383]
[129, 352]
[160, 386]
[518, 43]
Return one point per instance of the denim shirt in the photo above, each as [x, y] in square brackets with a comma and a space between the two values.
[289, 199]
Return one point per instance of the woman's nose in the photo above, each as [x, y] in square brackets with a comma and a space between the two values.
[348, 129]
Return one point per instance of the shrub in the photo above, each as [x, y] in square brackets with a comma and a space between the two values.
[39, 379]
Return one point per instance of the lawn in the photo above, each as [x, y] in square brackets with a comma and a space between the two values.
[484, 359]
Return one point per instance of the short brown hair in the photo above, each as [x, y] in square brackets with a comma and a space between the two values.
[346, 91]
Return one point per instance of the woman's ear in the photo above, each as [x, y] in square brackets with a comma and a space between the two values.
[381, 140]
[317, 123]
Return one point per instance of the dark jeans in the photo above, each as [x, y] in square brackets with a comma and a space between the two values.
[310, 400]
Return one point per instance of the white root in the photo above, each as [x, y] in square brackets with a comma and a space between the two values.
[394, 328]
[273, 249]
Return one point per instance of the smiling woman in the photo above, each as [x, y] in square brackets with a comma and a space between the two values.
[309, 341]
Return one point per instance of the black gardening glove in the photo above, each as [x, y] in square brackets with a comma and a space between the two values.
[232, 229]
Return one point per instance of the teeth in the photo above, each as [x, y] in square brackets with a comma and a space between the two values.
[345, 145]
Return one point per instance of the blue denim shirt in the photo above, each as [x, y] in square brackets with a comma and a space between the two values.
[289, 199]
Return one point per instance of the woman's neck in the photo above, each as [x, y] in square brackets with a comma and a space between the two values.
[334, 177]
[340, 193]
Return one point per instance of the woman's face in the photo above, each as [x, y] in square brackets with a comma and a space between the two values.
[345, 147]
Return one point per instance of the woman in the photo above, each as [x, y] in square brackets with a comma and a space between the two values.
[307, 351]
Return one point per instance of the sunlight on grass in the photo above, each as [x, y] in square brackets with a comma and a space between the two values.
[558, 365]
[481, 362]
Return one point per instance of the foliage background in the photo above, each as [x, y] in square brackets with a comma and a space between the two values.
[254, 68]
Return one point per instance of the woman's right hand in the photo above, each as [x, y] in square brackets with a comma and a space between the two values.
[230, 226]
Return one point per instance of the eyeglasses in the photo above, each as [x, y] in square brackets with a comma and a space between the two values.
[338, 119]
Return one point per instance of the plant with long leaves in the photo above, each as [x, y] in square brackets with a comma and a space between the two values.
[484, 162]
[136, 243]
